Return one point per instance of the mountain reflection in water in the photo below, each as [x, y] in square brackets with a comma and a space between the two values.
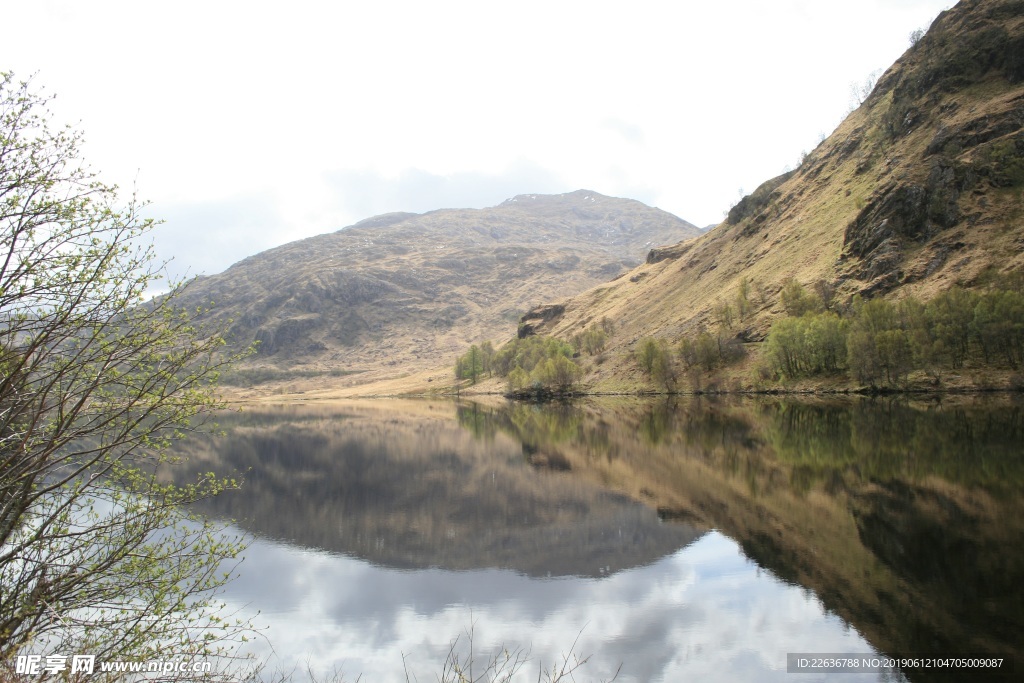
[903, 520]
[415, 490]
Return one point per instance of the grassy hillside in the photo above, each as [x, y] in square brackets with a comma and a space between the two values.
[920, 189]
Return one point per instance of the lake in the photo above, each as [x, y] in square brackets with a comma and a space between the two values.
[668, 540]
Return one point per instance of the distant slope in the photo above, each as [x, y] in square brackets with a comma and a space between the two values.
[920, 188]
[401, 292]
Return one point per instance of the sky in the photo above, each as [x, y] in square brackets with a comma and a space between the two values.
[251, 124]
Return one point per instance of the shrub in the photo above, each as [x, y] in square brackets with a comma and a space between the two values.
[655, 359]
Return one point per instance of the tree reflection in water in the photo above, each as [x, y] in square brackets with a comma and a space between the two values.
[904, 517]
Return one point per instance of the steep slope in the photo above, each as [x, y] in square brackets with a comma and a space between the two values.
[918, 189]
[401, 292]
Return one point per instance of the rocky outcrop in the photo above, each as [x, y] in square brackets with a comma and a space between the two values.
[669, 253]
[755, 202]
[535, 318]
[899, 216]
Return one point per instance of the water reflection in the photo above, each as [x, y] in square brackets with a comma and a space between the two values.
[840, 526]
[705, 612]
[905, 518]
[413, 490]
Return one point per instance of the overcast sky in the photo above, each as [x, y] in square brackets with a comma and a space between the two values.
[251, 124]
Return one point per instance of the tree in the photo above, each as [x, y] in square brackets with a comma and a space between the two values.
[724, 316]
[663, 371]
[949, 317]
[592, 340]
[826, 293]
[647, 353]
[825, 335]
[558, 373]
[877, 344]
[655, 359]
[97, 554]
[487, 357]
[862, 90]
[470, 365]
[998, 323]
[784, 346]
[708, 350]
[796, 300]
[518, 379]
[536, 365]
[743, 305]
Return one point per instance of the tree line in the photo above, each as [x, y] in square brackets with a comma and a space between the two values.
[878, 341]
[703, 352]
[873, 341]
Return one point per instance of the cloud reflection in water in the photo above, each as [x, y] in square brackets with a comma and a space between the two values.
[705, 612]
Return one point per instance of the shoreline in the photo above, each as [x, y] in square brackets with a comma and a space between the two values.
[550, 397]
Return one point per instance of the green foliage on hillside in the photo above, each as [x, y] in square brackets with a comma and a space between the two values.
[812, 344]
[703, 352]
[594, 339]
[880, 342]
[798, 301]
[876, 342]
[655, 358]
[537, 365]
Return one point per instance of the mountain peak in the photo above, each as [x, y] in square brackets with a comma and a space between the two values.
[574, 197]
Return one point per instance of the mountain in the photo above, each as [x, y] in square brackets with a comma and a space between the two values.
[403, 292]
[921, 188]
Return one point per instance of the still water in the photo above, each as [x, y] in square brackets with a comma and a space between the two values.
[679, 540]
